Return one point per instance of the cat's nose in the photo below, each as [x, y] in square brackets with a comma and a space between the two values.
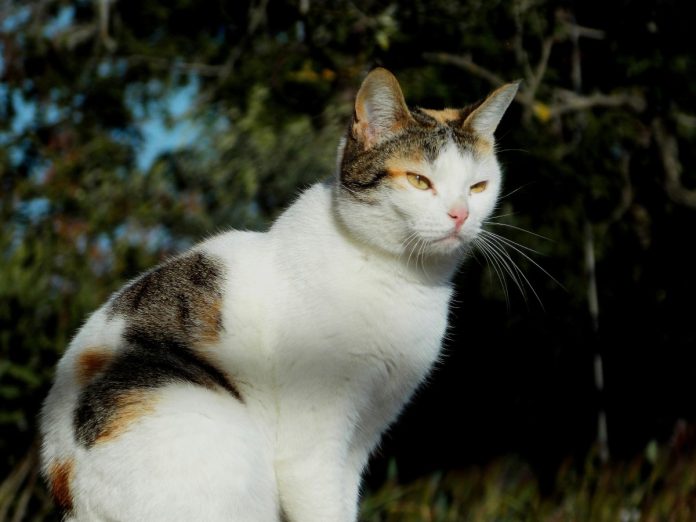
[459, 216]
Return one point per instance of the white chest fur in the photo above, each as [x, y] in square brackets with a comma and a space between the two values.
[347, 333]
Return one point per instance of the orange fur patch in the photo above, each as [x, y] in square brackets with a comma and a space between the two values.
[91, 362]
[444, 115]
[398, 166]
[130, 406]
[482, 147]
[210, 318]
[59, 478]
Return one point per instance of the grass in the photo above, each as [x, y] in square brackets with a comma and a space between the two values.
[658, 486]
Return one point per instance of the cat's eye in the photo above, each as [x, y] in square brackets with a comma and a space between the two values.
[478, 187]
[419, 181]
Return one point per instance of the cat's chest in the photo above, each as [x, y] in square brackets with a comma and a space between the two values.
[364, 320]
[326, 314]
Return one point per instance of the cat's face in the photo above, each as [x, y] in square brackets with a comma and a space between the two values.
[418, 182]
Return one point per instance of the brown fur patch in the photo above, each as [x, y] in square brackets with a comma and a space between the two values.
[444, 116]
[59, 478]
[130, 406]
[177, 301]
[398, 166]
[482, 147]
[210, 319]
[91, 362]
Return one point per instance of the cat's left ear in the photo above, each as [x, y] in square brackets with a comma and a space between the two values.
[380, 108]
[486, 117]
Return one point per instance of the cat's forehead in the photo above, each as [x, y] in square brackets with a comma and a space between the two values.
[436, 129]
[447, 116]
[435, 133]
[445, 159]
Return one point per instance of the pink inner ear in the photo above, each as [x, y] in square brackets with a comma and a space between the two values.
[380, 109]
[365, 133]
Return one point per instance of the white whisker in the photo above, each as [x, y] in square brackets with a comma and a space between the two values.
[421, 254]
[412, 245]
[510, 241]
[496, 216]
[495, 236]
[518, 228]
[493, 265]
[511, 267]
[516, 190]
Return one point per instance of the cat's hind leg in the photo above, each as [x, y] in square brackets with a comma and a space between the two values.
[180, 452]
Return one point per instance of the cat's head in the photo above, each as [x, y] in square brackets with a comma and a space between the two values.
[418, 180]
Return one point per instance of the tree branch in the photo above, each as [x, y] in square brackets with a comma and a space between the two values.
[568, 100]
[669, 154]
[103, 12]
[535, 80]
[572, 102]
[466, 63]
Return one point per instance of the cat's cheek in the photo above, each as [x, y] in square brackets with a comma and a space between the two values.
[482, 205]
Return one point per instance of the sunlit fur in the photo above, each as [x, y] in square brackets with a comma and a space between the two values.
[307, 340]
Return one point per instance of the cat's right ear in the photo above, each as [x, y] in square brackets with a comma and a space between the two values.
[380, 109]
[486, 117]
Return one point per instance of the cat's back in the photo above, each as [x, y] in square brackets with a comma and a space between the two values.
[178, 302]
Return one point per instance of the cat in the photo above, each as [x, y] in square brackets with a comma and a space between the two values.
[250, 378]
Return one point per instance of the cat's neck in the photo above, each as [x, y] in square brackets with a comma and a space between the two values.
[314, 226]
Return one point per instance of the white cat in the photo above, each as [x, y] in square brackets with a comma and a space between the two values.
[250, 378]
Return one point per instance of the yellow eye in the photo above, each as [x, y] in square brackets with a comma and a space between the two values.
[478, 187]
[419, 181]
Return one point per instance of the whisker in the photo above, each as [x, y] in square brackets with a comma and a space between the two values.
[412, 247]
[502, 215]
[533, 262]
[518, 228]
[405, 244]
[493, 265]
[511, 267]
[421, 253]
[510, 241]
[500, 247]
[511, 150]
[516, 190]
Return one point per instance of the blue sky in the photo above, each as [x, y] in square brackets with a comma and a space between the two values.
[157, 136]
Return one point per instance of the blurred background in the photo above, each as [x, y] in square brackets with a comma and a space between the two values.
[131, 130]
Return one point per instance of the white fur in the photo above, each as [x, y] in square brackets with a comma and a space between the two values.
[328, 330]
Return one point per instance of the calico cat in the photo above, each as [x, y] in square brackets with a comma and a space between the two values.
[249, 378]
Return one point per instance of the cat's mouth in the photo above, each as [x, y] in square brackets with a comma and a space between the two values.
[451, 238]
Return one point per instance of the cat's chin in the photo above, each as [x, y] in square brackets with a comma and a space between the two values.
[449, 245]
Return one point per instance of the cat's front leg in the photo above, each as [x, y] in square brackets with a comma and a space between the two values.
[355, 464]
[312, 486]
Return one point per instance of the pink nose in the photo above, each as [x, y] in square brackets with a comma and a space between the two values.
[459, 215]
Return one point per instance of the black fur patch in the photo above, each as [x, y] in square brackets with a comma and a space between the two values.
[145, 365]
[168, 311]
